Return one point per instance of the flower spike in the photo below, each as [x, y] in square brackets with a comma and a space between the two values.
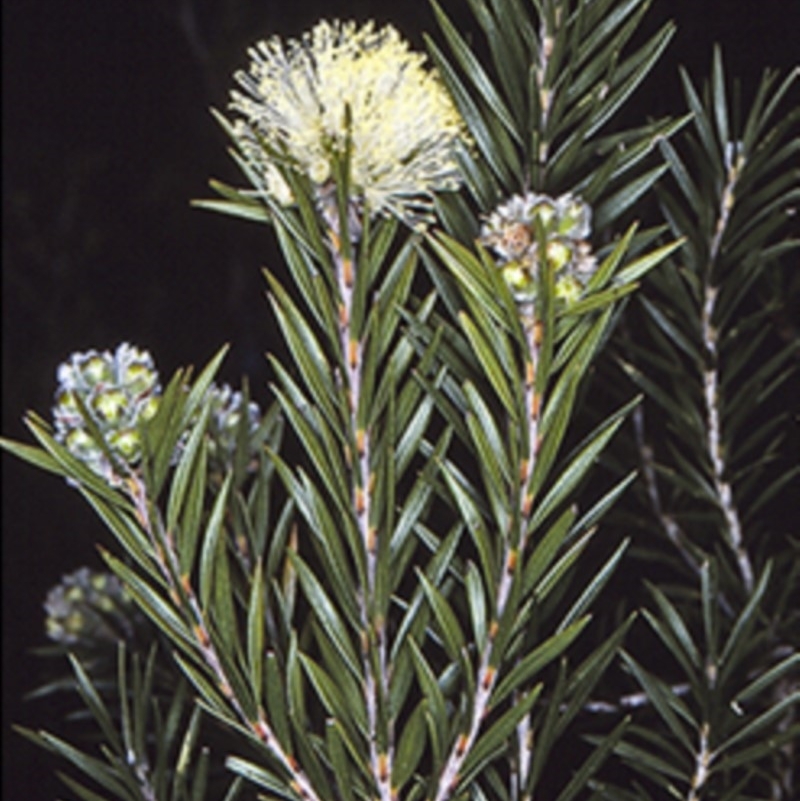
[305, 103]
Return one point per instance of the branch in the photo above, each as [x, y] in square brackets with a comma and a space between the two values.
[546, 44]
[487, 672]
[669, 525]
[711, 386]
[182, 593]
[673, 531]
[702, 763]
[376, 686]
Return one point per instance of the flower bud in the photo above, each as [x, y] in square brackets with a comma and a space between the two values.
[118, 392]
[227, 409]
[513, 233]
[87, 608]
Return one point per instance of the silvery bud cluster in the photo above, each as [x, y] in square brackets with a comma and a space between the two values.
[87, 608]
[101, 400]
[227, 408]
[510, 231]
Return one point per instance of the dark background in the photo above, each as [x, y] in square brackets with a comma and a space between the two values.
[107, 136]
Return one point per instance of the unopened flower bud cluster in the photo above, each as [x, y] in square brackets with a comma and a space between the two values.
[118, 391]
[227, 409]
[89, 607]
[510, 232]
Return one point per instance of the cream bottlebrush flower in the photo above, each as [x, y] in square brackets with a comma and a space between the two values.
[510, 231]
[304, 99]
[119, 391]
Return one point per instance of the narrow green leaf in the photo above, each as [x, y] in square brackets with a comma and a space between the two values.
[471, 67]
[637, 67]
[594, 587]
[489, 134]
[592, 764]
[486, 353]
[127, 531]
[411, 747]
[84, 793]
[527, 667]
[677, 626]
[652, 766]
[578, 466]
[681, 174]
[622, 200]
[275, 698]
[494, 445]
[261, 777]
[103, 774]
[337, 754]
[702, 124]
[437, 714]
[718, 93]
[255, 633]
[555, 419]
[642, 265]
[763, 747]
[306, 352]
[471, 273]
[415, 618]
[476, 599]
[213, 544]
[162, 614]
[495, 740]
[474, 521]
[70, 467]
[546, 550]
[318, 439]
[743, 627]
[327, 614]
[33, 455]
[767, 679]
[552, 579]
[757, 727]
[663, 700]
[95, 704]
[332, 698]
[452, 635]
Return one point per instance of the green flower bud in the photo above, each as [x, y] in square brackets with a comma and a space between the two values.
[520, 280]
[558, 255]
[568, 289]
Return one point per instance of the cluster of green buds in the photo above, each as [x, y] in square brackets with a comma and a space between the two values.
[101, 401]
[227, 409]
[517, 230]
[89, 608]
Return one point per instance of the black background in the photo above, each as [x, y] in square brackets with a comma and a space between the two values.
[107, 136]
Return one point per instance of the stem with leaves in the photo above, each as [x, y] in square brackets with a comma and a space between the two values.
[702, 764]
[513, 549]
[670, 526]
[711, 382]
[183, 595]
[373, 638]
[551, 14]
